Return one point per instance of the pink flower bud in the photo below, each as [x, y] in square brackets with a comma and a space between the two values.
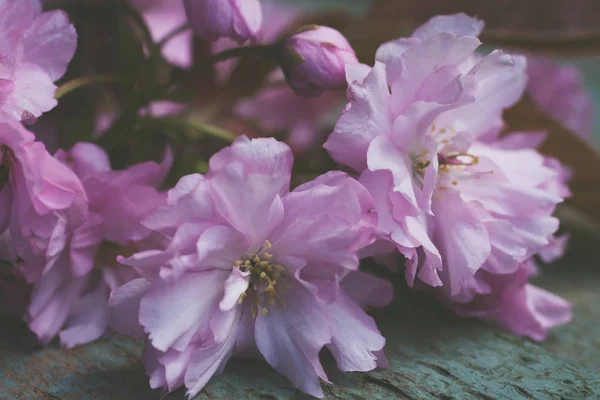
[314, 60]
[236, 19]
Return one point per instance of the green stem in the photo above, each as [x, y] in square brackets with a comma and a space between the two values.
[77, 83]
[212, 130]
[197, 127]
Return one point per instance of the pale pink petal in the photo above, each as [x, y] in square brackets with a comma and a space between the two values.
[423, 60]
[211, 357]
[461, 238]
[53, 299]
[356, 339]
[189, 200]
[50, 43]
[365, 117]
[459, 24]
[173, 314]
[258, 168]
[89, 319]
[500, 81]
[236, 284]
[291, 338]
[326, 221]
[124, 305]
[33, 92]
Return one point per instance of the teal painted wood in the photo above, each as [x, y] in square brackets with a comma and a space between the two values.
[432, 355]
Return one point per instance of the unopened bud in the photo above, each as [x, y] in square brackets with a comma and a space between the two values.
[314, 60]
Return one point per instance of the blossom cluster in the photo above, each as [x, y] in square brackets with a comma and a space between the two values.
[232, 261]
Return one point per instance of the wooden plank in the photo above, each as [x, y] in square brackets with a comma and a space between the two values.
[432, 355]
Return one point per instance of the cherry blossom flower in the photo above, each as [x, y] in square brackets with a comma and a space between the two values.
[71, 298]
[35, 49]
[254, 268]
[420, 128]
[42, 199]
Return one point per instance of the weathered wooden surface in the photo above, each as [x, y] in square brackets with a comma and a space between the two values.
[432, 355]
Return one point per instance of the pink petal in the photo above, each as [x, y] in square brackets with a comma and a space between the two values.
[291, 338]
[235, 286]
[52, 301]
[211, 358]
[173, 314]
[500, 81]
[89, 319]
[461, 238]
[365, 117]
[50, 43]
[356, 338]
[124, 305]
[33, 92]
[326, 221]
[188, 201]
[250, 203]
[459, 24]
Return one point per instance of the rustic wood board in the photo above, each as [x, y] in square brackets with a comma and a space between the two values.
[432, 355]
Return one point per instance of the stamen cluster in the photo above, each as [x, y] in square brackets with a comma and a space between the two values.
[264, 276]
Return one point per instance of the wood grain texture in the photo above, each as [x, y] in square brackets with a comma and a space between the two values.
[542, 25]
[432, 355]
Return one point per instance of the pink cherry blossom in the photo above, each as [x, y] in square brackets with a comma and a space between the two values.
[559, 90]
[71, 298]
[420, 128]
[247, 261]
[42, 199]
[35, 49]
[314, 60]
[277, 109]
[240, 20]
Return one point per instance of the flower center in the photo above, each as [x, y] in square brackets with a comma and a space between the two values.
[264, 279]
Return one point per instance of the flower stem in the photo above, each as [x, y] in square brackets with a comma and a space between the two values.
[197, 128]
[77, 83]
